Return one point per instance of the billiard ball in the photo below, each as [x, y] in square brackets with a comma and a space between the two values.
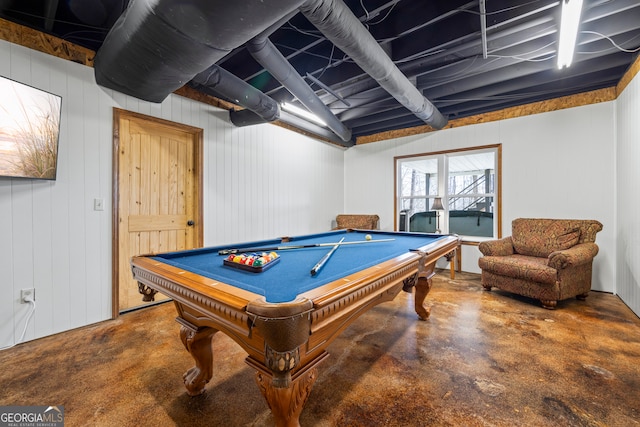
[367, 237]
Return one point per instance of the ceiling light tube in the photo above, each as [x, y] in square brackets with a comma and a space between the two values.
[302, 113]
[571, 10]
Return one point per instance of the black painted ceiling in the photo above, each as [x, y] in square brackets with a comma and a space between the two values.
[437, 44]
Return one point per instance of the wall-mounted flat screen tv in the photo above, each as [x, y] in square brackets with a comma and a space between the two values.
[29, 129]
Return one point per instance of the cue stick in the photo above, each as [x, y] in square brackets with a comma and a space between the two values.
[324, 259]
[283, 248]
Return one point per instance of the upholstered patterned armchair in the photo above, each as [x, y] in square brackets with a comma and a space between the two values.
[547, 259]
[364, 222]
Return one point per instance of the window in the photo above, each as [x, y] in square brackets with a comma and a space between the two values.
[463, 184]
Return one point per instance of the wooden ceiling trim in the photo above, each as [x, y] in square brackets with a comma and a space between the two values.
[586, 98]
[633, 70]
[36, 40]
[194, 95]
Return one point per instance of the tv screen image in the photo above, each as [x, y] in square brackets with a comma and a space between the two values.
[29, 130]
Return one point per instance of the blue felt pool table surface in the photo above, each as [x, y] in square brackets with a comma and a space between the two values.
[291, 276]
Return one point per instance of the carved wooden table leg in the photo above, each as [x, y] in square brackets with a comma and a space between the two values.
[197, 341]
[287, 403]
[453, 257]
[423, 286]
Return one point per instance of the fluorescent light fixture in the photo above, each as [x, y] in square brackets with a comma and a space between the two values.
[302, 113]
[568, 31]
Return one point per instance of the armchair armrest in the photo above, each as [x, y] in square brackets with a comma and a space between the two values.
[576, 255]
[500, 247]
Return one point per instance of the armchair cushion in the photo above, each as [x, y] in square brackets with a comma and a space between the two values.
[520, 267]
[541, 237]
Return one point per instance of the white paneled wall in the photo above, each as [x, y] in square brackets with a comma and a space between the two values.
[555, 165]
[628, 203]
[259, 182]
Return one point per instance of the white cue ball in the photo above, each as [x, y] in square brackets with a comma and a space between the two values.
[367, 237]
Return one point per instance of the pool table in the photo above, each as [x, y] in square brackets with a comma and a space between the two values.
[284, 317]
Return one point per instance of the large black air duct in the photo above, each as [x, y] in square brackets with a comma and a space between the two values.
[158, 46]
[336, 21]
[218, 82]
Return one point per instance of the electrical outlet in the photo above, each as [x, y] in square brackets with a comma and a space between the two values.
[27, 293]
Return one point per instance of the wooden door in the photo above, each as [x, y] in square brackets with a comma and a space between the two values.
[157, 195]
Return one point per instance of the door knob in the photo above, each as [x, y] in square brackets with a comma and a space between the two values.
[190, 223]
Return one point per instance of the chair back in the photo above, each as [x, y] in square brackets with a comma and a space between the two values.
[360, 221]
[541, 236]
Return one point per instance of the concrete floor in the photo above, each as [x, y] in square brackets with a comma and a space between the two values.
[482, 359]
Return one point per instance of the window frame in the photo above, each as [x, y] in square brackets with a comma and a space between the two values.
[443, 176]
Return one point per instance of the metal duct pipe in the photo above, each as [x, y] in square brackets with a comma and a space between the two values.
[242, 118]
[277, 65]
[336, 21]
[218, 82]
[260, 108]
[157, 46]
[467, 50]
